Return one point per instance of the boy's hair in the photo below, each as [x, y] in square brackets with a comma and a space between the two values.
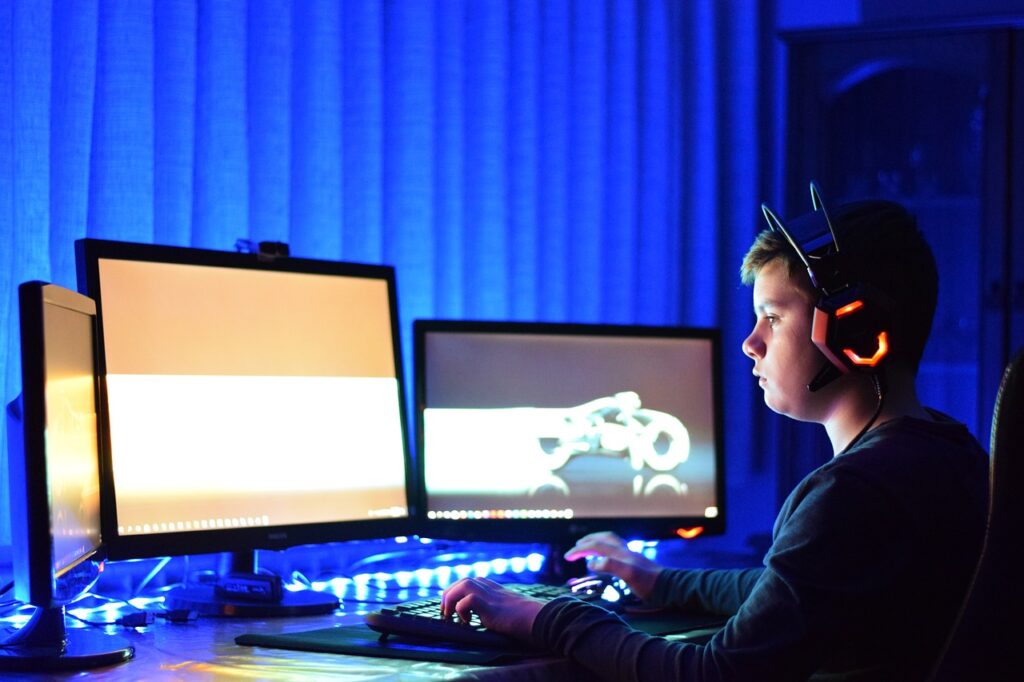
[881, 246]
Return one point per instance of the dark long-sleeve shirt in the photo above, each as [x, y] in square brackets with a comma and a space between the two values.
[871, 556]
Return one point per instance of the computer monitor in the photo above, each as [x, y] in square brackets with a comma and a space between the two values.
[254, 401]
[550, 431]
[54, 463]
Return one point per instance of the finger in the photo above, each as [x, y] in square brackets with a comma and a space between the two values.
[445, 597]
[584, 547]
[464, 607]
[450, 597]
[579, 552]
[607, 539]
[592, 549]
[587, 554]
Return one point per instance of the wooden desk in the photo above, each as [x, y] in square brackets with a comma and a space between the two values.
[205, 649]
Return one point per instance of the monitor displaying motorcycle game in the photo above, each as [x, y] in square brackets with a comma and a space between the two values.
[534, 431]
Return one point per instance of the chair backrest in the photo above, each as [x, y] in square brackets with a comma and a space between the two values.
[986, 639]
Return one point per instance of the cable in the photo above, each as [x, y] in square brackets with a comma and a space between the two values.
[880, 392]
[129, 620]
[9, 607]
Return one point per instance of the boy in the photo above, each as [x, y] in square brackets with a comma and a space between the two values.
[873, 551]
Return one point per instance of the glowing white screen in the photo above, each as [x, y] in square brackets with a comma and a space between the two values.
[519, 425]
[249, 398]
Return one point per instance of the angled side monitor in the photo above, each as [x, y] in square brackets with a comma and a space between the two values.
[54, 442]
[545, 432]
[253, 403]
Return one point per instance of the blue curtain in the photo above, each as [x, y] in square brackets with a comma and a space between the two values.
[569, 160]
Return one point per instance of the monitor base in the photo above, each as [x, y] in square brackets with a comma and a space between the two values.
[45, 645]
[204, 600]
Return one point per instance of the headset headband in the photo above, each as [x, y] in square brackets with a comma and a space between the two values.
[814, 240]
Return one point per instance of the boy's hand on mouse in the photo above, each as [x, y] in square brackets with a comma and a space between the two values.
[607, 553]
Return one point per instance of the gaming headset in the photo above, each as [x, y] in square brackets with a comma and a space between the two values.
[851, 319]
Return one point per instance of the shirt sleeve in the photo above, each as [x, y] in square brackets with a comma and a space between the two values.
[718, 591]
[822, 571]
[757, 645]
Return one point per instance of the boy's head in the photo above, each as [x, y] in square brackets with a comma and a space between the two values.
[882, 247]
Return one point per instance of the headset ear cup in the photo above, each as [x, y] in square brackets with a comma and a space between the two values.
[852, 328]
[823, 333]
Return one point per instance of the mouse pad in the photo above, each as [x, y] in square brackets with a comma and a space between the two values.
[359, 640]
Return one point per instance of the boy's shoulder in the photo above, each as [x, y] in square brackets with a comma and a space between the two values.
[905, 440]
[904, 469]
[908, 456]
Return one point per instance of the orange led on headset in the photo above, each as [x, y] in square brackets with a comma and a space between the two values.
[689, 533]
[849, 308]
[883, 348]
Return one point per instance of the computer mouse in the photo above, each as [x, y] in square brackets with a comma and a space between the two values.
[604, 589]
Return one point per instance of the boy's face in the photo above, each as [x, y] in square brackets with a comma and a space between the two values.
[785, 359]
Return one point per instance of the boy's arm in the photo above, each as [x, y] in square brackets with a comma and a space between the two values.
[719, 591]
[823, 575]
[767, 641]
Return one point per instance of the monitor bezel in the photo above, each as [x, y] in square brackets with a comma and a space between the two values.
[32, 552]
[564, 531]
[89, 252]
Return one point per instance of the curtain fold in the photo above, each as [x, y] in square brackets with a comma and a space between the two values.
[174, 121]
[513, 159]
[309, 100]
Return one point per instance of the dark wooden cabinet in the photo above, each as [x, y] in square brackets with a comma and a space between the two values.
[932, 117]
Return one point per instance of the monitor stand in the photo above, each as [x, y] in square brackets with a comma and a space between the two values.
[45, 644]
[245, 593]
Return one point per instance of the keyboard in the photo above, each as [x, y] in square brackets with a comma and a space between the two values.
[422, 618]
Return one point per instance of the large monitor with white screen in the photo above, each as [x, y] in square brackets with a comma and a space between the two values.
[254, 401]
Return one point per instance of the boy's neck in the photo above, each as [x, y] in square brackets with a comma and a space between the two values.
[858, 403]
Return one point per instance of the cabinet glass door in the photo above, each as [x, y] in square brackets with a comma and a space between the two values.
[920, 119]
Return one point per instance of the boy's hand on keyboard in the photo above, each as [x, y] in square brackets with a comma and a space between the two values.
[498, 609]
[607, 553]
